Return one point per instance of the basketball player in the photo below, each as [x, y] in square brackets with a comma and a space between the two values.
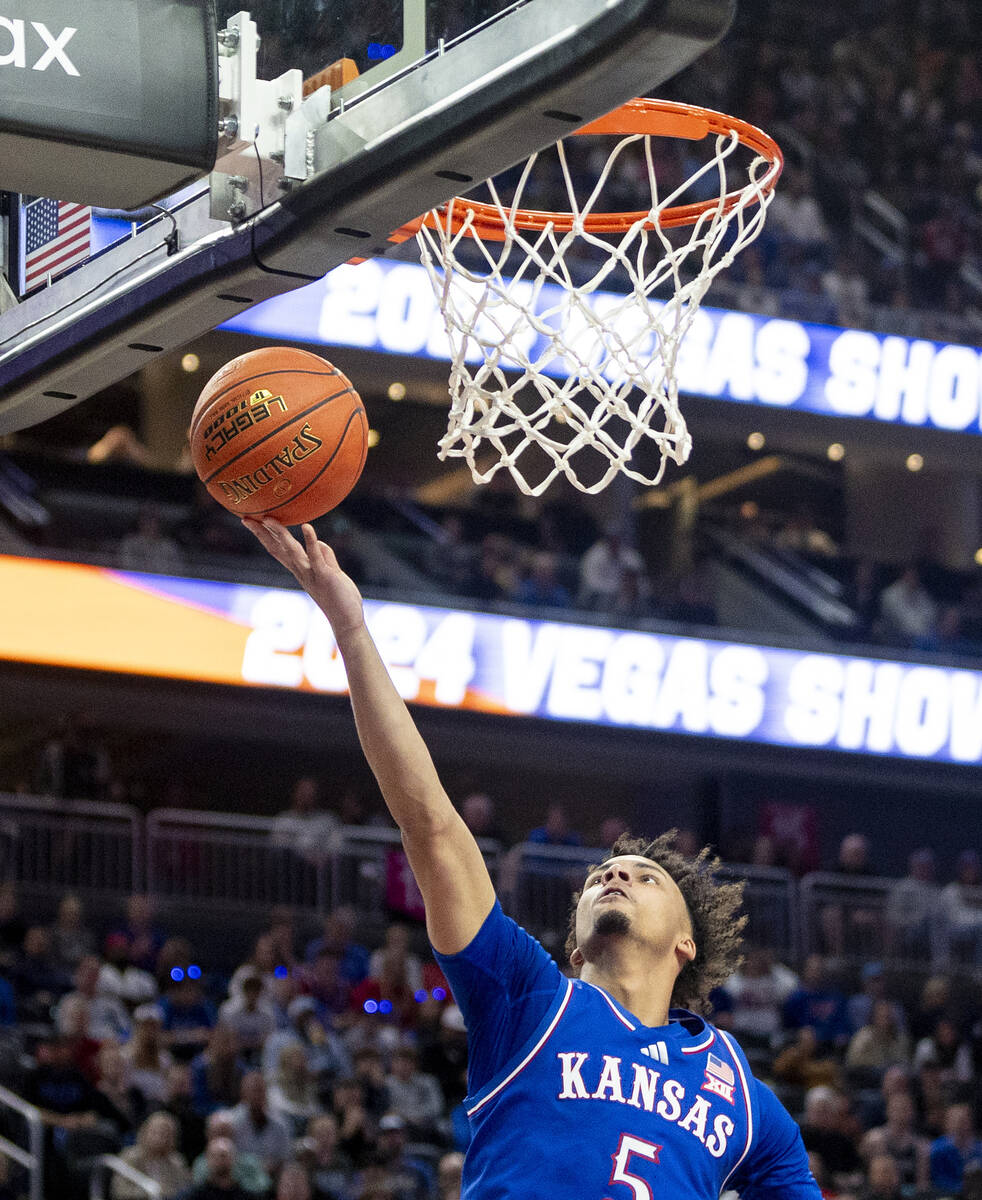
[584, 1088]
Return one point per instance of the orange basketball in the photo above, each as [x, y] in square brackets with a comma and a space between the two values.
[280, 433]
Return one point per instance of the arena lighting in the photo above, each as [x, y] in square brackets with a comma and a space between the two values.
[397, 391]
[836, 452]
[374, 437]
[190, 363]
[978, 557]
[914, 462]
[755, 441]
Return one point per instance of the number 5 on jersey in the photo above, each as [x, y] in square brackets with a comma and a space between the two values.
[632, 1145]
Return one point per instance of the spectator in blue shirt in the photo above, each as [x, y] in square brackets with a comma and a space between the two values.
[188, 1018]
[958, 1147]
[8, 1004]
[818, 1004]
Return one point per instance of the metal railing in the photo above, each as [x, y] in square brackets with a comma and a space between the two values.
[82, 845]
[31, 1159]
[107, 1165]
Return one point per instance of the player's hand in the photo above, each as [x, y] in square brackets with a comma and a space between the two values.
[315, 568]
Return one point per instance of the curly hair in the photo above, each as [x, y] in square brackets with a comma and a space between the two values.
[713, 908]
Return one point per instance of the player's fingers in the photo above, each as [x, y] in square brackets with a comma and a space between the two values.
[319, 553]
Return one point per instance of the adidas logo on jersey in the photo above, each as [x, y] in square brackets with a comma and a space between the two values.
[656, 1050]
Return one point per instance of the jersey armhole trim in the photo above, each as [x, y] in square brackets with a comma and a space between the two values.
[547, 1033]
[747, 1100]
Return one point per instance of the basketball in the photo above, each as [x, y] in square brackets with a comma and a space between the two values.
[280, 433]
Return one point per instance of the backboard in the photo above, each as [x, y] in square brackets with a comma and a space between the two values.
[435, 96]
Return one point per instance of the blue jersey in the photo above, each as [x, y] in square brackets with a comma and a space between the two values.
[570, 1095]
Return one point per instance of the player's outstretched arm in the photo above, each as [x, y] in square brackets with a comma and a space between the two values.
[448, 866]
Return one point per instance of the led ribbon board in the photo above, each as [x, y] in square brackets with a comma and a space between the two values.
[88, 617]
[389, 307]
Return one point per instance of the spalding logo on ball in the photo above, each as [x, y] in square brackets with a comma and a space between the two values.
[280, 433]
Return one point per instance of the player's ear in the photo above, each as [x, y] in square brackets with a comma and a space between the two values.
[685, 950]
[576, 959]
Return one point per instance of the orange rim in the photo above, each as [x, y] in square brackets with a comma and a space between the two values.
[661, 118]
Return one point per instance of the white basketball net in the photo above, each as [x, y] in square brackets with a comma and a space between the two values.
[578, 369]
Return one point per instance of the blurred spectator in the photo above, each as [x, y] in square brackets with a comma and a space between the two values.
[932, 1004]
[178, 1102]
[480, 816]
[247, 1169]
[947, 1050]
[356, 1136]
[794, 212]
[370, 1073]
[396, 962]
[449, 1176]
[147, 1054]
[329, 1167]
[874, 988]
[256, 1129]
[323, 980]
[217, 1072]
[602, 569]
[449, 558]
[149, 548]
[557, 830]
[305, 827]
[107, 1016]
[956, 1149]
[899, 1138]
[800, 532]
[188, 1017]
[38, 980]
[445, 1056]
[13, 927]
[822, 1132]
[73, 1024]
[960, 909]
[883, 1180]
[493, 575]
[119, 444]
[911, 910]
[155, 1155]
[120, 978]
[293, 1183]
[248, 1015]
[293, 1095]
[411, 1178]
[415, 1096]
[805, 1064]
[907, 611]
[852, 923]
[540, 585]
[219, 1181]
[327, 1056]
[758, 991]
[816, 1003]
[338, 935]
[144, 939]
[71, 941]
[881, 1043]
[74, 763]
[264, 962]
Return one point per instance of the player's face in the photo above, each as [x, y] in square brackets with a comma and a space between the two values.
[631, 895]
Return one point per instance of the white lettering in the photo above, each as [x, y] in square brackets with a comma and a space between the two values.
[730, 367]
[573, 1086]
[737, 675]
[814, 700]
[399, 632]
[279, 623]
[853, 360]
[347, 312]
[56, 49]
[683, 691]
[16, 56]
[722, 1129]
[645, 1083]
[902, 388]
[921, 726]
[782, 362]
[670, 1106]
[953, 399]
[869, 699]
[610, 1080]
[575, 690]
[406, 310]
[966, 717]
[695, 1118]
[630, 679]
[526, 664]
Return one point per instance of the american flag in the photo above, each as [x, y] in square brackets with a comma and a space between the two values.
[56, 236]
